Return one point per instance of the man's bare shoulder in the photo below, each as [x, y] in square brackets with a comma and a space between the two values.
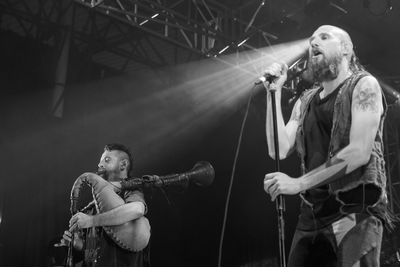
[367, 95]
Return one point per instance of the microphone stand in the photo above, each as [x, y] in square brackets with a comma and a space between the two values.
[70, 260]
[280, 201]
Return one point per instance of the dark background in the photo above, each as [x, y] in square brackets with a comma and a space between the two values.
[41, 156]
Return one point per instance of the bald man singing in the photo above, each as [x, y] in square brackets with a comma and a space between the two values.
[336, 128]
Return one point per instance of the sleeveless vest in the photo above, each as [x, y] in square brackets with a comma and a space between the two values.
[374, 171]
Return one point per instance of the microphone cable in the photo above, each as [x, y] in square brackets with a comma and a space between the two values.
[239, 142]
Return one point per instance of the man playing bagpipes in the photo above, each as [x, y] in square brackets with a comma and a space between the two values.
[112, 230]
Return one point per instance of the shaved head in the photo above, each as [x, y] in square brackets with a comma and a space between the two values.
[121, 155]
[342, 35]
[331, 52]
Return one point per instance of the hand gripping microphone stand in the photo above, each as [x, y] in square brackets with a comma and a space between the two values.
[280, 201]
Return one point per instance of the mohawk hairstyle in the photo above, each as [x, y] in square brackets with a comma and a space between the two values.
[120, 147]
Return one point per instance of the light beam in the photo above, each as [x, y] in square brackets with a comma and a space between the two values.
[161, 113]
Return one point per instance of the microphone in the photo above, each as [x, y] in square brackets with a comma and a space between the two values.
[266, 78]
[294, 70]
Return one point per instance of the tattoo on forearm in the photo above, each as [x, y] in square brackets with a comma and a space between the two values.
[367, 99]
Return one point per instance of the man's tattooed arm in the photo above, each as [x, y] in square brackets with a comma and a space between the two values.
[366, 110]
[333, 169]
[367, 98]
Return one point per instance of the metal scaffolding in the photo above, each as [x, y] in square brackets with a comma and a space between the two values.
[203, 27]
[154, 33]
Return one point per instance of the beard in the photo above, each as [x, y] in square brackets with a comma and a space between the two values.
[325, 69]
[108, 175]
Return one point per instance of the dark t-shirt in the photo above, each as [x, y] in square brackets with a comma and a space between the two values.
[317, 129]
[326, 209]
[317, 132]
[109, 253]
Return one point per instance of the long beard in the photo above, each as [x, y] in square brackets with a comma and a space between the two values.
[326, 69]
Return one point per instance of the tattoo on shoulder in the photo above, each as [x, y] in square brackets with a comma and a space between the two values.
[367, 99]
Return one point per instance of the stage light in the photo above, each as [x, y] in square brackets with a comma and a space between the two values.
[242, 42]
[341, 9]
[143, 22]
[179, 106]
[223, 49]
